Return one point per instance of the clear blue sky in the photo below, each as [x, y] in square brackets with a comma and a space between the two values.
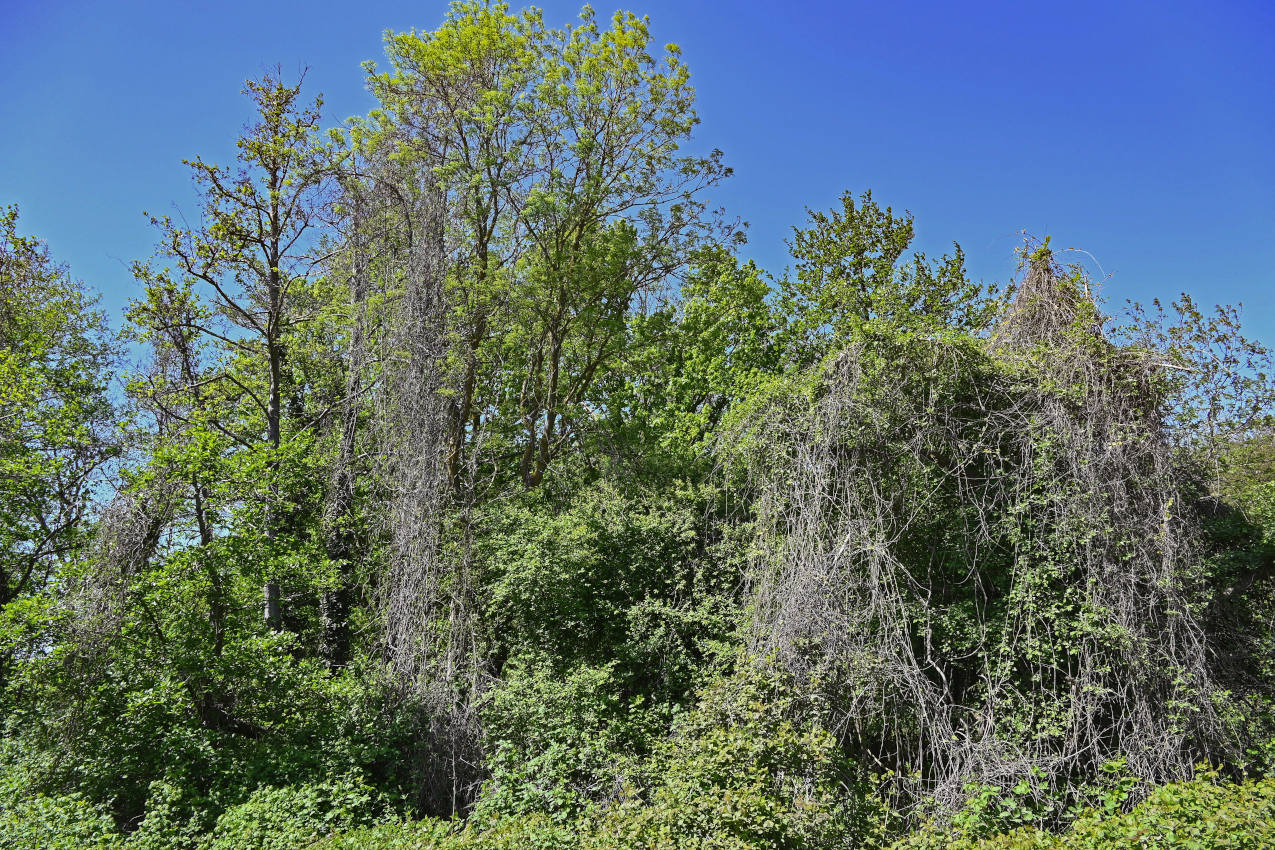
[1140, 132]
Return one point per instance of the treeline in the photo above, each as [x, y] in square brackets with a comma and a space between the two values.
[474, 491]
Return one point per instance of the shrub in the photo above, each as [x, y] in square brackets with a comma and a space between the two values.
[749, 767]
[527, 833]
[175, 819]
[44, 822]
[1202, 813]
[296, 817]
[556, 747]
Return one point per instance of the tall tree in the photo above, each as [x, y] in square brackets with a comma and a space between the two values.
[253, 250]
[55, 431]
[570, 197]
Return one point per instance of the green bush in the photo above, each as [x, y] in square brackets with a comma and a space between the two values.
[749, 767]
[390, 836]
[175, 820]
[32, 820]
[44, 822]
[557, 746]
[296, 817]
[529, 833]
[1203, 814]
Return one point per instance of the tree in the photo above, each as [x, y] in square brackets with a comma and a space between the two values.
[253, 251]
[55, 415]
[558, 154]
[852, 280]
[550, 192]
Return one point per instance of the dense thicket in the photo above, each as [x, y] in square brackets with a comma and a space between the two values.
[473, 490]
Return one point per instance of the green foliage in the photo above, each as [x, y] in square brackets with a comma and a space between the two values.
[175, 819]
[1202, 813]
[52, 822]
[215, 733]
[690, 362]
[852, 281]
[612, 575]
[606, 612]
[295, 817]
[1031, 802]
[558, 744]
[69, 822]
[742, 770]
[738, 772]
[570, 198]
[55, 431]
[532, 833]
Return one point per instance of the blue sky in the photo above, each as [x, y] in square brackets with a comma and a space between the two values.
[1142, 133]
